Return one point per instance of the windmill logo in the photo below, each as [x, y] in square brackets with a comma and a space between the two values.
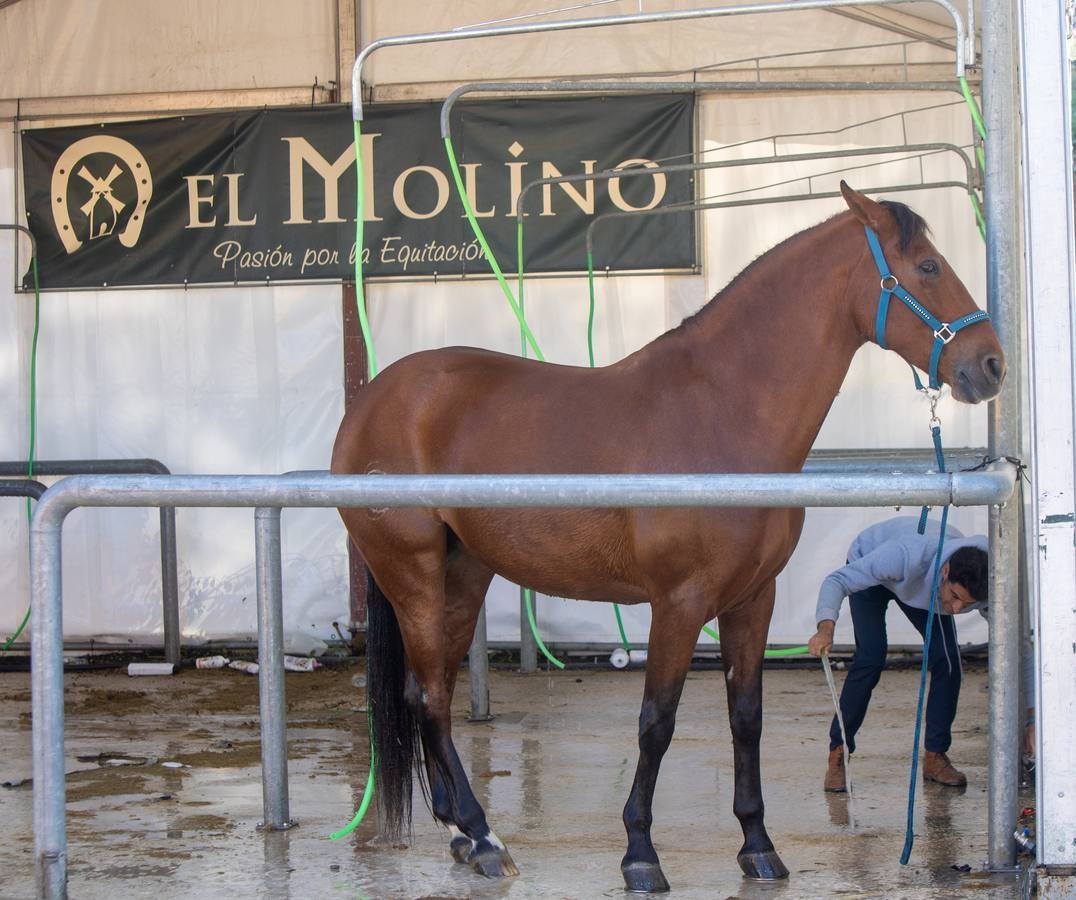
[108, 202]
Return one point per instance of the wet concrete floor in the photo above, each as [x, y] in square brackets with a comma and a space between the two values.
[553, 771]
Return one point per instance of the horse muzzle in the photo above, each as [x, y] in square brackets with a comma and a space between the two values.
[979, 378]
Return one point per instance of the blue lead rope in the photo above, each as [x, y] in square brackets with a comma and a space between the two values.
[939, 455]
[909, 832]
[935, 433]
[944, 332]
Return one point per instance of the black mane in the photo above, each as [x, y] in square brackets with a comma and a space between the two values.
[911, 224]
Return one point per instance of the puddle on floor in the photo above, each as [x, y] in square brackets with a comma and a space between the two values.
[553, 771]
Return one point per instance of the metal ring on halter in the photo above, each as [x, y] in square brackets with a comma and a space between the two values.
[896, 283]
[933, 396]
[945, 333]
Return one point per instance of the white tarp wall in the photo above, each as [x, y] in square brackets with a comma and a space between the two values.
[249, 380]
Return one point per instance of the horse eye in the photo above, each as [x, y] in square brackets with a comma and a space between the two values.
[928, 267]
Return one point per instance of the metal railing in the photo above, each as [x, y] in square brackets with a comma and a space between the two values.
[169, 558]
[268, 494]
[961, 49]
[21, 487]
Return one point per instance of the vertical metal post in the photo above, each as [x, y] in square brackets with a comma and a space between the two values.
[1004, 299]
[47, 708]
[346, 48]
[1051, 295]
[528, 646]
[274, 724]
[169, 585]
[478, 662]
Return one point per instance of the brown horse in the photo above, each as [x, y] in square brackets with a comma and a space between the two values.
[742, 386]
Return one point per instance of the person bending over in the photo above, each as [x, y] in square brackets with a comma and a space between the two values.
[891, 561]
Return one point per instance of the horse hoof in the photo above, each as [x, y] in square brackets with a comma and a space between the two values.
[461, 847]
[644, 878]
[491, 861]
[765, 865]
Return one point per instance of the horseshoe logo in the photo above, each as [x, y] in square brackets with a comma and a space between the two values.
[103, 208]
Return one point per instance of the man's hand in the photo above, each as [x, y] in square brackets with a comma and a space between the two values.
[822, 639]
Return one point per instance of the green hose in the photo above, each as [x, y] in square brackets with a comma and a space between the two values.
[33, 427]
[526, 335]
[620, 627]
[977, 118]
[769, 654]
[973, 107]
[371, 372]
[367, 794]
[469, 212]
[360, 297]
[527, 595]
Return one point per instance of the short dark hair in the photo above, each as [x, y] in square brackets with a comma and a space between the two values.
[968, 567]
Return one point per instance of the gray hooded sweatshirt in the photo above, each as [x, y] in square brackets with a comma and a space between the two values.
[894, 555]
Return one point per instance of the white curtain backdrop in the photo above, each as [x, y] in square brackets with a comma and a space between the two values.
[249, 380]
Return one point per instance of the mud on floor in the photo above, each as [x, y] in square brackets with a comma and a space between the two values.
[164, 791]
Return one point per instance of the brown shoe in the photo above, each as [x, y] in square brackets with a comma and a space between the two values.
[835, 781]
[936, 767]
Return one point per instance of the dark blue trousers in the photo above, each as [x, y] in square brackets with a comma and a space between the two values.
[868, 619]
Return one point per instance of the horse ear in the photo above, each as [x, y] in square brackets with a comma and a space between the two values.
[870, 213]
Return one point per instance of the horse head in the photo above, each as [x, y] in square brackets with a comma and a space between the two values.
[923, 310]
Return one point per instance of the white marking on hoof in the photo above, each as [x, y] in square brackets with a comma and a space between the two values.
[729, 673]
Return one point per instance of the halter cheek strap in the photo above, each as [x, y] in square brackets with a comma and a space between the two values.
[944, 332]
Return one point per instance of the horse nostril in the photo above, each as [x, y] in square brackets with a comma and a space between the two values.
[994, 369]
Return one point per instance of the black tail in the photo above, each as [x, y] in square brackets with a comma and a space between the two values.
[394, 730]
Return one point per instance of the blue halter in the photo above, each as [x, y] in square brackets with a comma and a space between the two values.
[944, 332]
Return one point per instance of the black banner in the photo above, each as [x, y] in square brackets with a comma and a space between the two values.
[270, 195]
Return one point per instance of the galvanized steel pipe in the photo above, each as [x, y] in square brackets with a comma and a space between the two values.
[267, 491]
[271, 699]
[993, 485]
[1004, 294]
[676, 87]
[756, 201]
[169, 558]
[634, 19]
[640, 171]
[478, 666]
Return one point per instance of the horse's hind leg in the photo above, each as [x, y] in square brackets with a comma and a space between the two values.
[452, 800]
[672, 643]
[743, 643]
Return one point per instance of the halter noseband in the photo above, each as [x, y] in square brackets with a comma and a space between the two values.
[944, 332]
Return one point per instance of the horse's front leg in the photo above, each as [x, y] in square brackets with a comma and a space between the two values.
[743, 643]
[672, 642]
